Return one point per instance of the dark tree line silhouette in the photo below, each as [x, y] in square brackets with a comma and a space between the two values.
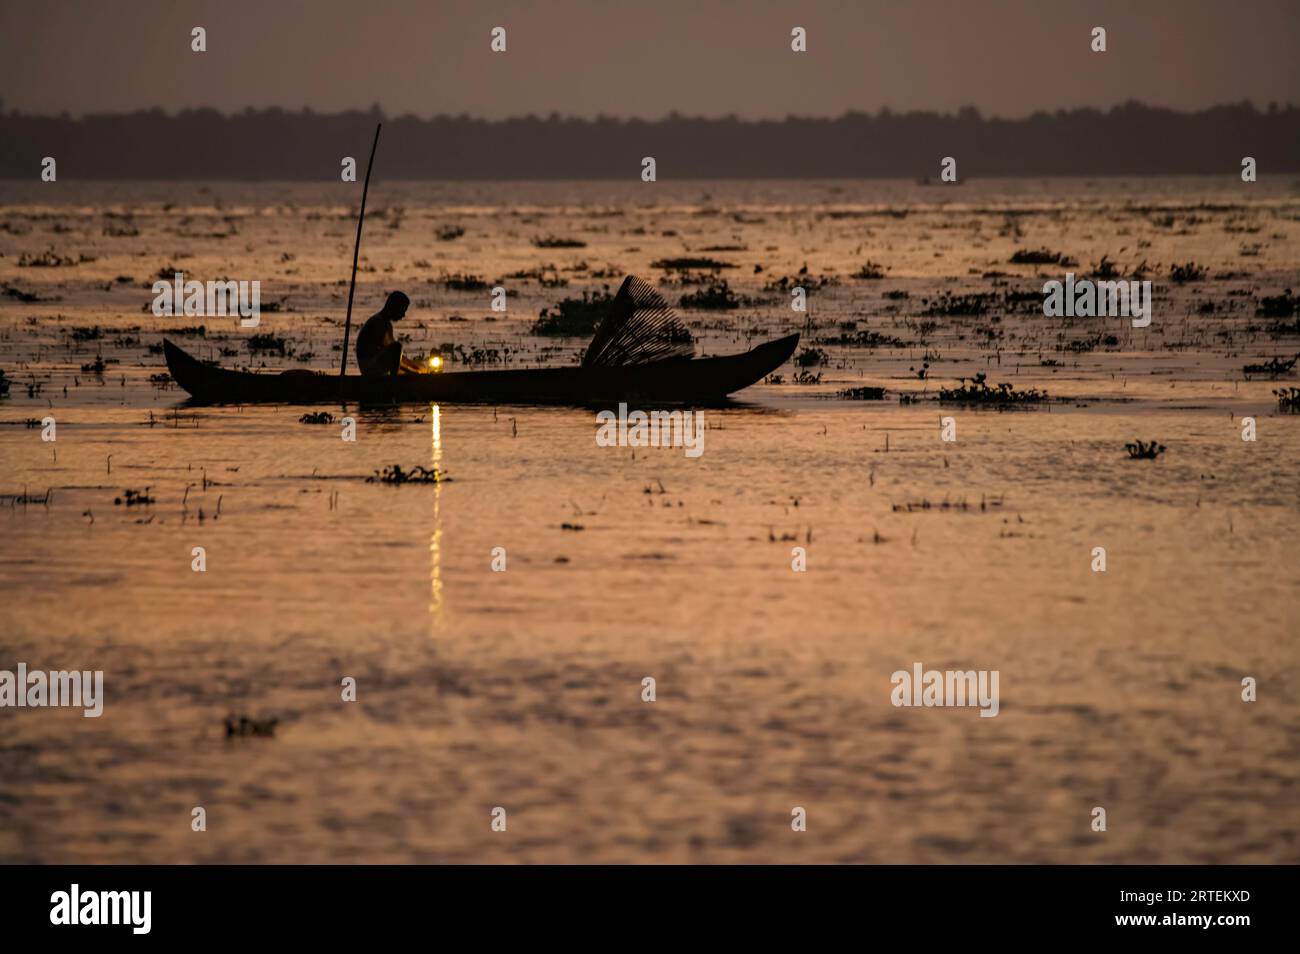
[1131, 139]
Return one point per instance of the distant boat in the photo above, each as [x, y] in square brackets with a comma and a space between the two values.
[639, 353]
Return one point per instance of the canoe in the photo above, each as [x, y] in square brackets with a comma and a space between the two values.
[671, 381]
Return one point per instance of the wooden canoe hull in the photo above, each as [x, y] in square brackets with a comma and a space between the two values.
[694, 381]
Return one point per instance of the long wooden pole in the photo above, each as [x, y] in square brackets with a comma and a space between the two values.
[356, 251]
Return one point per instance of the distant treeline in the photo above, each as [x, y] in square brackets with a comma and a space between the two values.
[279, 144]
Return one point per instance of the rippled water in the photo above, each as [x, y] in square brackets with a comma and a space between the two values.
[523, 689]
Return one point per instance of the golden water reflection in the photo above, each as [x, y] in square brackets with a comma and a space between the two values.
[435, 539]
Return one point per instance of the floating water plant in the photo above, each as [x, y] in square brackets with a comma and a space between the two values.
[863, 338]
[717, 297]
[1187, 272]
[9, 291]
[317, 417]
[810, 358]
[133, 498]
[1274, 368]
[685, 263]
[459, 282]
[978, 392]
[268, 342]
[870, 271]
[809, 283]
[1039, 256]
[244, 727]
[1288, 400]
[553, 241]
[1105, 269]
[946, 303]
[864, 393]
[416, 475]
[1141, 450]
[49, 259]
[574, 317]
[1278, 306]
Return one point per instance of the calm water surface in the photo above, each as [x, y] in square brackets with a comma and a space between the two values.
[522, 688]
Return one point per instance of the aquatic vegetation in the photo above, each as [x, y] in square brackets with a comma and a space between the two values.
[947, 304]
[1273, 368]
[864, 393]
[268, 342]
[1105, 269]
[553, 241]
[924, 504]
[395, 476]
[26, 498]
[95, 367]
[863, 338]
[1029, 301]
[717, 296]
[449, 233]
[807, 377]
[317, 417]
[11, 291]
[462, 282]
[477, 357]
[547, 276]
[895, 294]
[1040, 256]
[810, 358]
[244, 727]
[979, 393]
[870, 271]
[685, 263]
[1187, 272]
[1141, 450]
[4, 383]
[1278, 306]
[573, 317]
[91, 333]
[1085, 345]
[50, 259]
[160, 379]
[1288, 400]
[809, 283]
[133, 498]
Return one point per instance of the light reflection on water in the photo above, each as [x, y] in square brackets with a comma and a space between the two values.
[435, 538]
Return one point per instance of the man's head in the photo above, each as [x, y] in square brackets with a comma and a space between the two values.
[395, 307]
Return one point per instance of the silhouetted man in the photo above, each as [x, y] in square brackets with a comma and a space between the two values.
[378, 350]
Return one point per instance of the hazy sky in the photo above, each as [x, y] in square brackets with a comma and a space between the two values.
[626, 58]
